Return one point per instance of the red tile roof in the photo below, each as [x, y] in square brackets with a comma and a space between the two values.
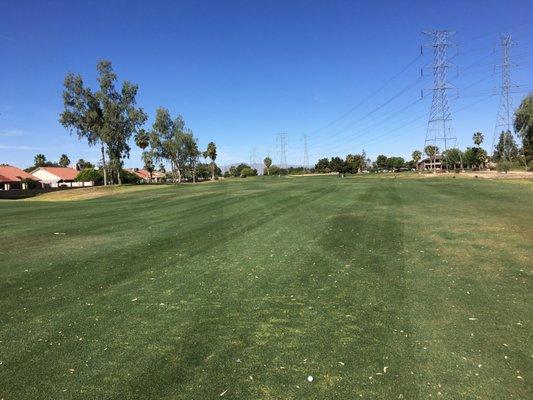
[64, 173]
[144, 174]
[14, 174]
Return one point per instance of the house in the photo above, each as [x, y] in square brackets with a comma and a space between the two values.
[58, 177]
[144, 175]
[14, 178]
[430, 164]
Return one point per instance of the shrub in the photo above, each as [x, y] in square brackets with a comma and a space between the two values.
[504, 166]
[129, 177]
[31, 184]
[247, 171]
[90, 175]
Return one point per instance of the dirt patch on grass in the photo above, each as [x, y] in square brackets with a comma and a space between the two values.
[92, 192]
[499, 175]
[471, 174]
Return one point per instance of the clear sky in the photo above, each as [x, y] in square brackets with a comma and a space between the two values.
[242, 71]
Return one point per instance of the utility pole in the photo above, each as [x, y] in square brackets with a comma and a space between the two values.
[439, 129]
[281, 142]
[503, 121]
[306, 155]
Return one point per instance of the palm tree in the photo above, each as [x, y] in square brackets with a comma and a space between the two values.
[432, 152]
[211, 152]
[478, 138]
[142, 139]
[417, 155]
[148, 159]
[39, 160]
[268, 162]
[64, 161]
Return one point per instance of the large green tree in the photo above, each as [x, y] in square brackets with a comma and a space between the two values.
[107, 117]
[395, 163]
[523, 125]
[453, 158]
[323, 165]
[475, 157]
[148, 160]
[506, 148]
[211, 153]
[355, 163]
[189, 153]
[381, 161]
[170, 140]
[162, 138]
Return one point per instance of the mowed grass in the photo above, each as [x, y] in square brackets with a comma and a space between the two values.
[378, 288]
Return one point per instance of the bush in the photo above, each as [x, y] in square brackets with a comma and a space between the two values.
[129, 177]
[247, 171]
[274, 170]
[504, 166]
[30, 183]
[90, 175]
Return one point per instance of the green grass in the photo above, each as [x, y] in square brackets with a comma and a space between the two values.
[379, 288]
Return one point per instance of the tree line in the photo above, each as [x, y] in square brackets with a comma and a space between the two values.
[109, 117]
[506, 154]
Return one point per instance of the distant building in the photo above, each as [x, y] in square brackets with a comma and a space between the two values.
[58, 177]
[431, 164]
[13, 178]
[144, 175]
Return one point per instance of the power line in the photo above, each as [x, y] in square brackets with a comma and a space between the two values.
[371, 112]
[422, 125]
[344, 115]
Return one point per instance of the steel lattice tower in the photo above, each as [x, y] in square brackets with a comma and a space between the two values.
[439, 129]
[503, 121]
[281, 142]
[306, 155]
[253, 158]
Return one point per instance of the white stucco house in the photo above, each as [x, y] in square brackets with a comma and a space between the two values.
[58, 177]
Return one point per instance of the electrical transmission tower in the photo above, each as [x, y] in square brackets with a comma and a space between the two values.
[281, 142]
[439, 129]
[503, 121]
[253, 158]
[306, 155]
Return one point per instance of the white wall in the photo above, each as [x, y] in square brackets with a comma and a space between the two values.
[46, 177]
[50, 179]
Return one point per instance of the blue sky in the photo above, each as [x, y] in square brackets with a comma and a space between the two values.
[242, 71]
